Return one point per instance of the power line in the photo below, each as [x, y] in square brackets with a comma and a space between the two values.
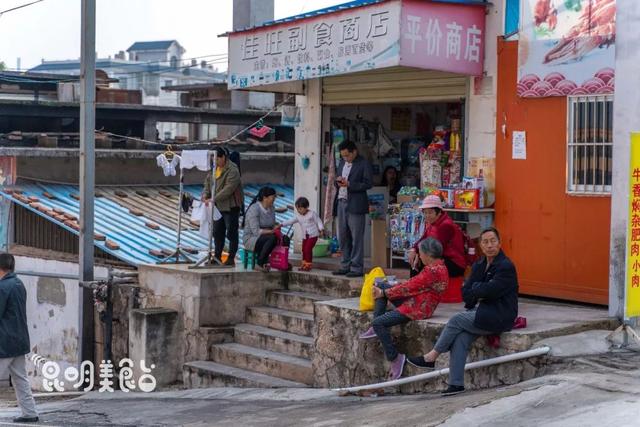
[19, 7]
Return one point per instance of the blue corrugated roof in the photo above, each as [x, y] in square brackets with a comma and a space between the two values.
[344, 6]
[151, 45]
[114, 220]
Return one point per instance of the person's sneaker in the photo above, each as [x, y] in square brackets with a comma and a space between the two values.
[397, 366]
[353, 274]
[230, 262]
[340, 272]
[453, 390]
[26, 420]
[368, 334]
[419, 362]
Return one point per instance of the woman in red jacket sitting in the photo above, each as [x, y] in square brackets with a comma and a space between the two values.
[440, 226]
[414, 300]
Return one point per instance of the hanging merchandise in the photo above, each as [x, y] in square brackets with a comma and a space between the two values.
[431, 166]
[406, 226]
[195, 158]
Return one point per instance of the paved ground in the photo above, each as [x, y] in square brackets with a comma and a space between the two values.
[600, 390]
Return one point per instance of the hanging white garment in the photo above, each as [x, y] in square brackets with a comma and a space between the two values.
[195, 158]
[168, 167]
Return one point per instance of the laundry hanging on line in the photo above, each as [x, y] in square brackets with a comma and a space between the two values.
[195, 158]
[168, 166]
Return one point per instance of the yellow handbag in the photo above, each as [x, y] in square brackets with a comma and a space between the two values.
[367, 301]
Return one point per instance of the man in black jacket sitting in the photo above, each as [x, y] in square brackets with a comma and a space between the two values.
[491, 298]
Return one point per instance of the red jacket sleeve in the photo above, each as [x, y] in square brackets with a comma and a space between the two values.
[414, 286]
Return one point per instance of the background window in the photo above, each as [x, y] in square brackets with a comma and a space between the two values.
[590, 144]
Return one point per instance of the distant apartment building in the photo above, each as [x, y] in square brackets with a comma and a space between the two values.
[149, 66]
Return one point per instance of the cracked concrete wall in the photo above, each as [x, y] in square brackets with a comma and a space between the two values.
[52, 313]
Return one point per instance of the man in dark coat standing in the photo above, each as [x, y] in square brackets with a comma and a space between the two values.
[491, 298]
[354, 178]
[14, 337]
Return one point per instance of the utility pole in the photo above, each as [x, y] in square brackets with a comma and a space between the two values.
[87, 175]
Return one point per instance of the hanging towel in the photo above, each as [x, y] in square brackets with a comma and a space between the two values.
[195, 158]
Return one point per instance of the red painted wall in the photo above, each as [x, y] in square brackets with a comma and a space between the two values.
[559, 243]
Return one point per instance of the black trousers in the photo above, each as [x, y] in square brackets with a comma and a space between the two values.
[227, 228]
[264, 246]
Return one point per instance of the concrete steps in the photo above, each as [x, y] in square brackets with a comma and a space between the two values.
[272, 349]
[294, 300]
[274, 340]
[202, 374]
[283, 320]
[264, 361]
[323, 283]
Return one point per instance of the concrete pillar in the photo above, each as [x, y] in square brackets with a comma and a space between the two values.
[626, 110]
[309, 144]
[248, 13]
[153, 337]
[150, 129]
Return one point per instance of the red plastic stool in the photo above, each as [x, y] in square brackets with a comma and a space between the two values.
[453, 293]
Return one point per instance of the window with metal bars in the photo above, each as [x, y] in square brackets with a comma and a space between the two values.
[590, 144]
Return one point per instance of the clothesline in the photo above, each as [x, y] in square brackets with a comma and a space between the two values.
[200, 144]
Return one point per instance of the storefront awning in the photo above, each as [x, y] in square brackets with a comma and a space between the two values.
[442, 35]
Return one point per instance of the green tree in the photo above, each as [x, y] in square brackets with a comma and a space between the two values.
[2, 66]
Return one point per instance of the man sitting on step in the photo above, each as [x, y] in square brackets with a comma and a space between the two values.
[491, 298]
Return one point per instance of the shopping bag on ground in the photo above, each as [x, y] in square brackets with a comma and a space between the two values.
[367, 301]
[279, 258]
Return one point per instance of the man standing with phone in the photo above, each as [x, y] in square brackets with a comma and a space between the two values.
[351, 207]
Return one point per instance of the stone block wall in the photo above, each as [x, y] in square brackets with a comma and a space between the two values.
[340, 359]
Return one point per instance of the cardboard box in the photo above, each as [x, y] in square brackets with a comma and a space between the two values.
[403, 198]
[467, 199]
[379, 243]
[447, 196]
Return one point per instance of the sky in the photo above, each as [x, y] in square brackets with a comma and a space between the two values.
[51, 29]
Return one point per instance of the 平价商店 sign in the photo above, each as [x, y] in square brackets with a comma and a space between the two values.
[412, 33]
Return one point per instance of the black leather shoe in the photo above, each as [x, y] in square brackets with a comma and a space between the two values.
[340, 273]
[419, 362]
[453, 390]
[26, 420]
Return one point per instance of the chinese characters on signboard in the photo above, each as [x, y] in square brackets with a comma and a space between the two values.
[443, 37]
[361, 39]
[436, 36]
[632, 292]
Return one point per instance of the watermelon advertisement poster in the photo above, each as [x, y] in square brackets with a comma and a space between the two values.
[566, 47]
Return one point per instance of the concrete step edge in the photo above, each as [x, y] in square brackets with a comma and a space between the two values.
[209, 367]
[275, 333]
[282, 312]
[265, 354]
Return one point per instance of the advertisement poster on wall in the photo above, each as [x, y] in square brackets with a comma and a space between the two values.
[566, 47]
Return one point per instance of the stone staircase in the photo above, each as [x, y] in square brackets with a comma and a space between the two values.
[274, 347]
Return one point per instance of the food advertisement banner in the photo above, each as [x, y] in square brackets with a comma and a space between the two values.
[632, 285]
[566, 47]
